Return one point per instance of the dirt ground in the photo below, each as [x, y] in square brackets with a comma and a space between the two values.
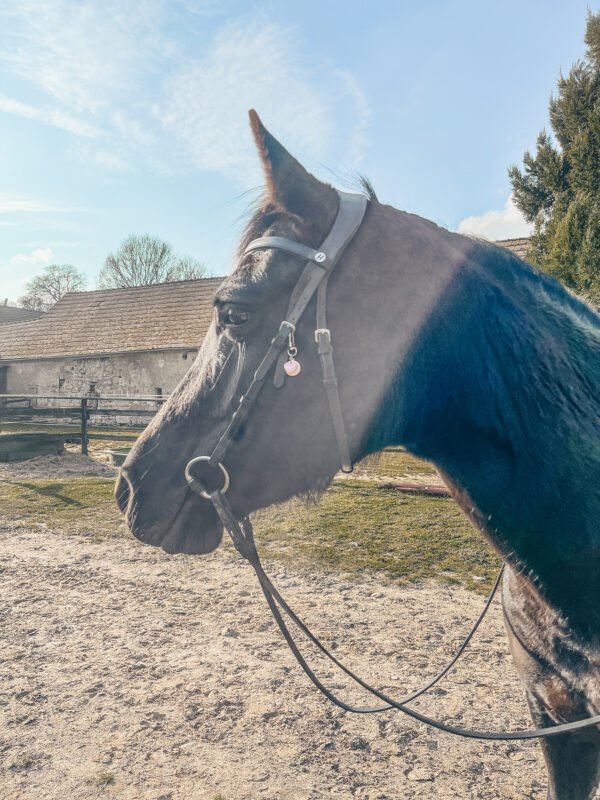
[58, 466]
[127, 673]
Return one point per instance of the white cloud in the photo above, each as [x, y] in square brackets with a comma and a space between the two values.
[54, 117]
[19, 269]
[109, 159]
[41, 256]
[57, 243]
[120, 79]
[247, 66]
[509, 223]
[84, 54]
[90, 59]
[17, 212]
[10, 205]
[358, 140]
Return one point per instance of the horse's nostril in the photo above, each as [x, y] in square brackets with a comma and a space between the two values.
[122, 492]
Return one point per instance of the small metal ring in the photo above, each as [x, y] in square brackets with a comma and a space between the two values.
[192, 480]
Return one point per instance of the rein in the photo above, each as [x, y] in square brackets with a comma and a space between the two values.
[314, 279]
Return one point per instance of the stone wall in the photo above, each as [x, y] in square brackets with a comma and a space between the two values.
[151, 373]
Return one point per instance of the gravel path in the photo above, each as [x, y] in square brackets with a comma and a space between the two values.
[127, 673]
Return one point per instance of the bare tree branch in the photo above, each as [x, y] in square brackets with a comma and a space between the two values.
[43, 291]
[144, 260]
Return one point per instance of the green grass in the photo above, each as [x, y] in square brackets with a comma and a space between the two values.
[97, 446]
[72, 505]
[66, 428]
[357, 527]
[361, 527]
[395, 461]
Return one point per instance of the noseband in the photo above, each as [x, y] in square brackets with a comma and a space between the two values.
[313, 280]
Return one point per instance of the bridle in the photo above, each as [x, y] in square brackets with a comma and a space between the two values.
[314, 280]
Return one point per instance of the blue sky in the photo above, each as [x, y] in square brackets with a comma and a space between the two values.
[129, 116]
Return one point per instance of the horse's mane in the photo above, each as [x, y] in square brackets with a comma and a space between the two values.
[506, 339]
[497, 258]
[262, 214]
[367, 188]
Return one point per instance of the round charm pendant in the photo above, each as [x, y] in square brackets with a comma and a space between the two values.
[292, 368]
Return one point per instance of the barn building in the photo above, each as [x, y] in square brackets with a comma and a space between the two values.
[10, 314]
[137, 341]
[517, 246]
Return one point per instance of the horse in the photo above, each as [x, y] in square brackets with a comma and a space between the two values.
[449, 346]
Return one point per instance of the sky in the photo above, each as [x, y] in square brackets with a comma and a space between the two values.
[123, 117]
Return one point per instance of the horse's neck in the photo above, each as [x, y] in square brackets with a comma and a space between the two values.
[501, 392]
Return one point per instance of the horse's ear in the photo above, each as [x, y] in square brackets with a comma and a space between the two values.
[288, 183]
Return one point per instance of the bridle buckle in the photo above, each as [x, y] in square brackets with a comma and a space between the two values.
[325, 332]
[323, 340]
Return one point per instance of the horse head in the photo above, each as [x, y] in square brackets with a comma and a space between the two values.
[378, 297]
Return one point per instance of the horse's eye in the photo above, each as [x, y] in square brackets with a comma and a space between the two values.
[233, 316]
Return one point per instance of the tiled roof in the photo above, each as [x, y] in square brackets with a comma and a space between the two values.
[10, 314]
[518, 246]
[160, 317]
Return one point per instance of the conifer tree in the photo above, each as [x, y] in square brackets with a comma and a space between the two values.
[558, 188]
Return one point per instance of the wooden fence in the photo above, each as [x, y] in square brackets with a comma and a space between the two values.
[30, 409]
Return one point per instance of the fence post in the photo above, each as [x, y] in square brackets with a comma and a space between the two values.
[84, 426]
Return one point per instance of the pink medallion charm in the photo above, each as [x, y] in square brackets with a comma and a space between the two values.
[292, 368]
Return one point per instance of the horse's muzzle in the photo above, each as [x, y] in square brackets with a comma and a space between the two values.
[191, 526]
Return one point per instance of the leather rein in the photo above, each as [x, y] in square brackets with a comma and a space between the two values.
[314, 280]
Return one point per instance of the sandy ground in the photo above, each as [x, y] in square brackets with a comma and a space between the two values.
[127, 673]
[49, 467]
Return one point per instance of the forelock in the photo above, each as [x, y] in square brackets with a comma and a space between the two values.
[269, 219]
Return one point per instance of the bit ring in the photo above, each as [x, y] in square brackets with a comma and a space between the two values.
[196, 485]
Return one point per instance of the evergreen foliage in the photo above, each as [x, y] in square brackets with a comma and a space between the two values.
[558, 188]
